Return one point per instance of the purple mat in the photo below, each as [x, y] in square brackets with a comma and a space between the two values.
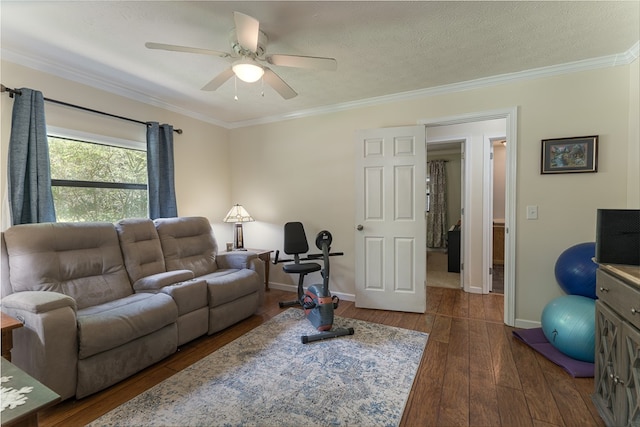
[535, 339]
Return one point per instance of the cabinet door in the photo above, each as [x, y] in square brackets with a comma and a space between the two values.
[498, 244]
[608, 394]
[630, 374]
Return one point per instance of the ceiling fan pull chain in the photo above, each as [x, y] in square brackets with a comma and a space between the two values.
[262, 88]
[235, 87]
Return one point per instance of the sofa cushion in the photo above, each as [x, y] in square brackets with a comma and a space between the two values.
[81, 260]
[107, 326]
[188, 244]
[228, 285]
[189, 296]
[141, 248]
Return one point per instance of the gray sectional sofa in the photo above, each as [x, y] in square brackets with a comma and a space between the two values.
[102, 301]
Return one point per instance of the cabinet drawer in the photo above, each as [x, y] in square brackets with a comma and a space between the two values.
[622, 298]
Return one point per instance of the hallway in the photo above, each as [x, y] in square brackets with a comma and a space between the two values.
[438, 275]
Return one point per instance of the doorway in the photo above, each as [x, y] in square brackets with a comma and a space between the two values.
[477, 212]
[498, 164]
[443, 255]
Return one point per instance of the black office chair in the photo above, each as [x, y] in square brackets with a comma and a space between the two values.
[295, 243]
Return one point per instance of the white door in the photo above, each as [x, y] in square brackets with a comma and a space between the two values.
[391, 231]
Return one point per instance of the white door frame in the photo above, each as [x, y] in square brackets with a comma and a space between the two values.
[511, 117]
[488, 176]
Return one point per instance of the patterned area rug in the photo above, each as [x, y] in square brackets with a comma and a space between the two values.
[267, 377]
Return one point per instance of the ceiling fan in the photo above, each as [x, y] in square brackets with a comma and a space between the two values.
[248, 53]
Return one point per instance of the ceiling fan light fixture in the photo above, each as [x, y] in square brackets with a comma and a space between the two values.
[247, 70]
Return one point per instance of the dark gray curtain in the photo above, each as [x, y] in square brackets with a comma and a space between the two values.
[30, 196]
[437, 216]
[162, 193]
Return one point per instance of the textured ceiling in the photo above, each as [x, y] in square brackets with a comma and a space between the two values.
[382, 48]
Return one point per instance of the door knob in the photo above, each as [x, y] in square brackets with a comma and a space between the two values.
[359, 227]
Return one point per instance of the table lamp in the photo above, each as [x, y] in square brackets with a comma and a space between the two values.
[238, 215]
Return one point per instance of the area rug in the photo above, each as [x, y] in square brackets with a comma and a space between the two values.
[267, 377]
[535, 339]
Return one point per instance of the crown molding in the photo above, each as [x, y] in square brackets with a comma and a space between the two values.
[91, 80]
[624, 58]
[38, 64]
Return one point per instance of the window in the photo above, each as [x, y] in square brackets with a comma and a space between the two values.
[94, 181]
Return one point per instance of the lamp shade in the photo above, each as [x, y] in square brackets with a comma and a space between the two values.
[238, 214]
[247, 70]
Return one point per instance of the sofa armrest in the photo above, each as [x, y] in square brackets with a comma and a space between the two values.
[236, 259]
[156, 282]
[36, 302]
[46, 347]
[244, 259]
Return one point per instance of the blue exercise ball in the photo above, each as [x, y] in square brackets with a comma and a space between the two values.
[576, 272]
[569, 324]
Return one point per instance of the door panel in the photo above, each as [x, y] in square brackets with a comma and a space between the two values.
[390, 200]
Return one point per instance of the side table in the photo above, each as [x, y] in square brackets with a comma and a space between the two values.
[25, 397]
[264, 255]
[8, 324]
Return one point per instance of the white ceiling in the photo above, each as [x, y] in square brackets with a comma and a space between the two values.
[383, 49]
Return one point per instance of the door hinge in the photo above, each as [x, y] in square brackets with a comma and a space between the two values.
[462, 211]
[490, 271]
[490, 156]
[462, 266]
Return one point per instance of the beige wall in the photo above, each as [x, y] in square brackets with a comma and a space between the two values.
[633, 169]
[499, 169]
[303, 169]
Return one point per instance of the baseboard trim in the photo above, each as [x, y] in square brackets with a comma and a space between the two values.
[527, 324]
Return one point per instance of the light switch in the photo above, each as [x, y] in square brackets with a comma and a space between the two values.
[532, 212]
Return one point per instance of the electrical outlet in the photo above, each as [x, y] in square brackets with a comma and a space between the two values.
[532, 212]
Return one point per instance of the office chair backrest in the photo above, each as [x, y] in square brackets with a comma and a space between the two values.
[295, 240]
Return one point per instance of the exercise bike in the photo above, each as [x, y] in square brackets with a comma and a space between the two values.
[317, 301]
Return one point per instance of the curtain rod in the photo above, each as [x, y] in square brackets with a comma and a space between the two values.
[13, 92]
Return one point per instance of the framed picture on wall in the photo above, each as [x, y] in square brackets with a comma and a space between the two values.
[566, 155]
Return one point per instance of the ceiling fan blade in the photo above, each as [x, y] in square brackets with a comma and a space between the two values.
[278, 84]
[247, 29]
[175, 48]
[218, 80]
[318, 63]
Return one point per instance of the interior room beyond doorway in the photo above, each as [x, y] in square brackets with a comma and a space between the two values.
[487, 217]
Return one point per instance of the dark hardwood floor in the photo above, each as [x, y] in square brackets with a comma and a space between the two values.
[473, 372]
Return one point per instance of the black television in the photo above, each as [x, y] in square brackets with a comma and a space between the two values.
[618, 236]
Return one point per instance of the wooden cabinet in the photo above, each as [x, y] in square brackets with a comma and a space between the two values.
[617, 358]
[498, 243]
